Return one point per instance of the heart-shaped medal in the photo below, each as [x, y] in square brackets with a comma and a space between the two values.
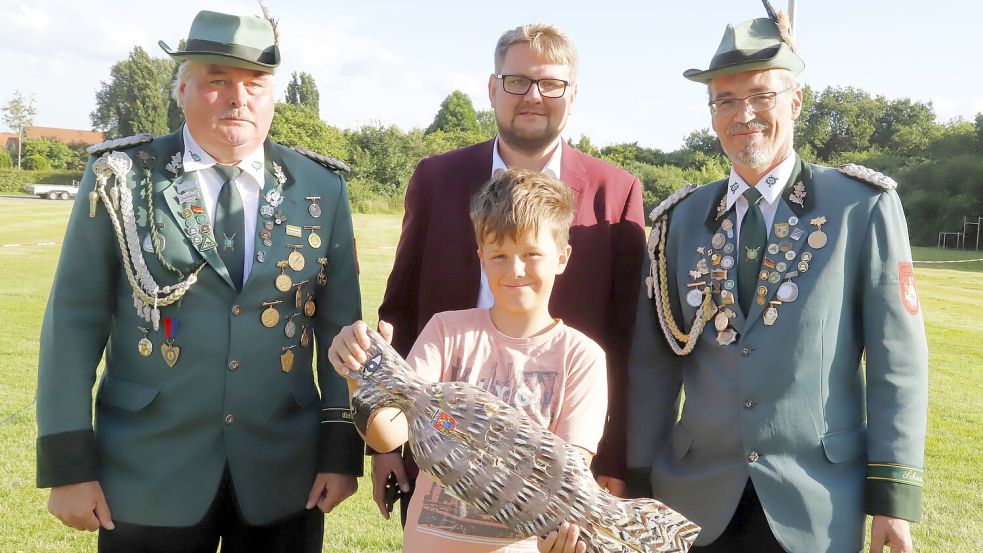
[170, 353]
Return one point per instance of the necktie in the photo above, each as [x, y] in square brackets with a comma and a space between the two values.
[753, 238]
[230, 223]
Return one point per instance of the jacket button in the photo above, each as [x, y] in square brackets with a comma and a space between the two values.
[748, 404]
[233, 365]
[745, 351]
[236, 310]
[751, 457]
[230, 418]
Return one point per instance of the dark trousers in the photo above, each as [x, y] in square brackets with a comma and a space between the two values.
[748, 530]
[300, 533]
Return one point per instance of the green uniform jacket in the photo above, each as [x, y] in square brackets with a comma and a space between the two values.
[789, 405]
[162, 435]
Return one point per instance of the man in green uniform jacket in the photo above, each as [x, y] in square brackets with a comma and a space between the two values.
[765, 292]
[206, 265]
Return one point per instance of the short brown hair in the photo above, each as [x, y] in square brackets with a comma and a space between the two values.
[518, 201]
[546, 41]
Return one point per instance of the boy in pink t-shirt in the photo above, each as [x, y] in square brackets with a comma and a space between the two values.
[514, 349]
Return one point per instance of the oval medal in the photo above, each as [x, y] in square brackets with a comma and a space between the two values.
[305, 339]
[774, 278]
[145, 347]
[789, 255]
[287, 360]
[284, 282]
[290, 329]
[728, 248]
[694, 298]
[314, 240]
[720, 322]
[793, 220]
[727, 224]
[309, 308]
[727, 262]
[270, 317]
[817, 239]
[296, 261]
[788, 291]
[770, 316]
[729, 284]
[314, 210]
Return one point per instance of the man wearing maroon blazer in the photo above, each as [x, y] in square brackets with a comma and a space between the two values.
[436, 267]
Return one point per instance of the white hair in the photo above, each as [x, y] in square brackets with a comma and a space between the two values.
[183, 71]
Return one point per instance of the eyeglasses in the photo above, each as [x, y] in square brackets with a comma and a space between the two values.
[757, 102]
[519, 85]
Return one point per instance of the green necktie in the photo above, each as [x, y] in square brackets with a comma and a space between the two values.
[752, 246]
[230, 224]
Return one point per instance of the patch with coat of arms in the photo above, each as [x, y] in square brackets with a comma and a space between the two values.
[906, 283]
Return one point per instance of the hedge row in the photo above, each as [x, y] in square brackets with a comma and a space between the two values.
[14, 180]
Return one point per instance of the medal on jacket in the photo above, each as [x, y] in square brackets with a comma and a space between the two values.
[322, 277]
[287, 359]
[290, 329]
[270, 316]
[283, 281]
[296, 259]
[313, 238]
[309, 307]
[298, 296]
[771, 314]
[305, 339]
[145, 346]
[168, 349]
[817, 238]
[314, 209]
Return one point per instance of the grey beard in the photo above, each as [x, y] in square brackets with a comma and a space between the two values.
[752, 157]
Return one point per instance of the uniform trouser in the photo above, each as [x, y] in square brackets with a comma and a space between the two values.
[748, 530]
[300, 533]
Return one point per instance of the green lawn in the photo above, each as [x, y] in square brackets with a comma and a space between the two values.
[952, 296]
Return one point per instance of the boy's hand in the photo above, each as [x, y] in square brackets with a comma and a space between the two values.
[384, 464]
[330, 489]
[81, 506]
[563, 540]
[347, 350]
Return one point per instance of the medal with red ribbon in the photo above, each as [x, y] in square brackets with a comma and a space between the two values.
[170, 351]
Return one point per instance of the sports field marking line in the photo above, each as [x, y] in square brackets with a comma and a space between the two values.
[27, 245]
[952, 261]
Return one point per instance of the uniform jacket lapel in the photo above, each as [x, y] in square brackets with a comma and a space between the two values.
[169, 177]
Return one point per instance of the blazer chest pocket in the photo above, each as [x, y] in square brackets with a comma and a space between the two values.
[844, 445]
[125, 395]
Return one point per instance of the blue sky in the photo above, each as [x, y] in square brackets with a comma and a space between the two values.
[393, 62]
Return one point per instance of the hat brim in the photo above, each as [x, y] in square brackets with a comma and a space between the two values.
[221, 58]
[785, 58]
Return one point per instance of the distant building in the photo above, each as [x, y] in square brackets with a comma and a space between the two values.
[65, 136]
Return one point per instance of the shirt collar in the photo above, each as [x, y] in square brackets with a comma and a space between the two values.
[552, 166]
[770, 186]
[197, 159]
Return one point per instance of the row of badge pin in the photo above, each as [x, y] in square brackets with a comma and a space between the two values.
[788, 291]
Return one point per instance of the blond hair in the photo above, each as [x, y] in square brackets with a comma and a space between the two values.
[518, 202]
[547, 42]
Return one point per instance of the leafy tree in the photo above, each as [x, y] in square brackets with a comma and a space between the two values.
[380, 158]
[56, 153]
[19, 114]
[302, 90]
[979, 132]
[6, 162]
[704, 141]
[906, 127]
[586, 146]
[487, 125]
[136, 97]
[298, 125]
[456, 114]
[36, 162]
[841, 120]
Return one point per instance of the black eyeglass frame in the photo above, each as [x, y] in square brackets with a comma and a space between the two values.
[502, 77]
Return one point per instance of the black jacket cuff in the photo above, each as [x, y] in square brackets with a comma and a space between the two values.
[67, 458]
[340, 448]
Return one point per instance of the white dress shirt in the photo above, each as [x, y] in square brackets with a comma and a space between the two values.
[249, 183]
[552, 168]
[770, 186]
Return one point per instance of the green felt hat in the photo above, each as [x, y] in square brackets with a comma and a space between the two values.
[750, 46]
[240, 41]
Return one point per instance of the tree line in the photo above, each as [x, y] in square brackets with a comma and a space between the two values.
[938, 165]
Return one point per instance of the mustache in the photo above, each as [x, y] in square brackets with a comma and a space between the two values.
[237, 113]
[756, 125]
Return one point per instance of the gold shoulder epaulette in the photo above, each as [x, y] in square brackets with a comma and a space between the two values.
[117, 143]
[327, 161]
[864, 174]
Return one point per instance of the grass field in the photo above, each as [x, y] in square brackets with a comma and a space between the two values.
[30, 236]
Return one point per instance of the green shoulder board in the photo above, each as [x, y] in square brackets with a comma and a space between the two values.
[861, 173]
[117, 143]
[327, 161]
